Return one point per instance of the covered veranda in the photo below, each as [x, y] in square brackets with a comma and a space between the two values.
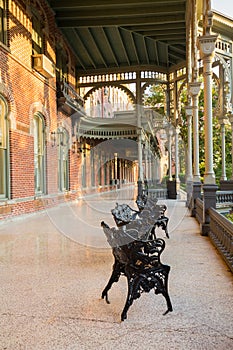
[55, 263]
[177, 45]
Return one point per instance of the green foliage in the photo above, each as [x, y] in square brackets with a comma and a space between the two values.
[155, 97]
[217, 152]
[229, 216]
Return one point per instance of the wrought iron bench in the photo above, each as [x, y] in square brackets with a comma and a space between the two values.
[139, 260]
[148, 210]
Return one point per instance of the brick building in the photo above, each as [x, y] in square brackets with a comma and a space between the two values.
[41, 162]
[35, 156]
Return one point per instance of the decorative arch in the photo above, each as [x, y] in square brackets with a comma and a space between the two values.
[12, 112]
[163, 86]
[129, 93]
[156, 82]
[227, 103]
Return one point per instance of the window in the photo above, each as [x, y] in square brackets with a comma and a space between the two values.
[3, 24]
[39, 150]
[4, 151]
[63, 160]
[37, 34]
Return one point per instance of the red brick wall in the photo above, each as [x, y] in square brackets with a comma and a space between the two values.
[27, 92]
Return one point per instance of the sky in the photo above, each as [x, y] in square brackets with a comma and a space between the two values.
[223, 6]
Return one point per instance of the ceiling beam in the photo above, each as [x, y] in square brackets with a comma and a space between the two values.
[159, 26]
[119, 21]
[82, 64]
[123, 46]
[120, 12]
[135, 48]
[110, 47]
[145, 48]
[167, 37]
[80, 43]
[161, 33]
[72, 4]
[97, 47]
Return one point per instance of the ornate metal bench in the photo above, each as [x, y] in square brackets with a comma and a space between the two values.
[148, 210]
[139, 260]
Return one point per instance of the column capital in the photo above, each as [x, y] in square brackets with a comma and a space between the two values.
[206, 45]
[194, 88]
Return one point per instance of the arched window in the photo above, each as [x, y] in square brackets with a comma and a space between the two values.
[3, 24]
[39, 153]
[63, 160]
[4, 150]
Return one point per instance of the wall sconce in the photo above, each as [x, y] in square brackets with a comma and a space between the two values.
[75, 148]
[57, 140]
[53, 138]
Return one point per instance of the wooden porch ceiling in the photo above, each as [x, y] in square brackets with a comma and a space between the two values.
[122, 34]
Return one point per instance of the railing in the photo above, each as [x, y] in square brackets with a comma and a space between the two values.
[159, 193]
[199, 210]
[224, 198]
[221, 234]
[67, 96]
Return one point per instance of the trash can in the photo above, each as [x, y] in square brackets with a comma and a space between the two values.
[171, 189]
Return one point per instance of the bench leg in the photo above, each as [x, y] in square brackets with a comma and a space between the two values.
[162, 287]
[114, 278]
[133, 293]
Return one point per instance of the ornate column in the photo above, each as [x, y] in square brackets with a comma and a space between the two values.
[115, 168]
[206, 45]
[189, 172]
[170, 133]
[139, 131]
[188, 110]
[194, 89]
[177, 131]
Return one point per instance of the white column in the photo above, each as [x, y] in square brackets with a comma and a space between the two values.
[139, 125]
[207, 45]
[170, 133]
[194, 89]
[177, 131]
[188, 110]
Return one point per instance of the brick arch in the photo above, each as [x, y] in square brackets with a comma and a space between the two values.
[12, 112]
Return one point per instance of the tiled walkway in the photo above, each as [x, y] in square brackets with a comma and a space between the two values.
[54, 265]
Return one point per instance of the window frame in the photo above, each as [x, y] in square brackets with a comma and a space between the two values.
[63, 159]
[5, 151]
[39, 154]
